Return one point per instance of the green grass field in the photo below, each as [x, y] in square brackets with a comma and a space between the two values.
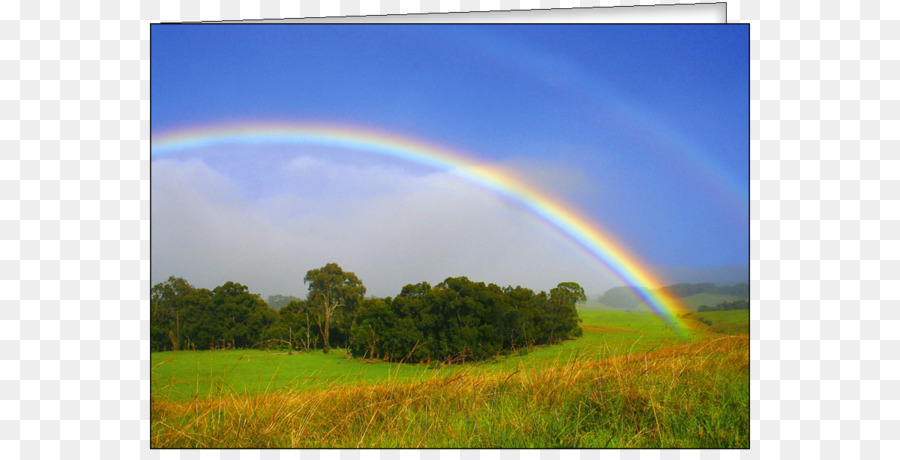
[184, 375]
[628, 382]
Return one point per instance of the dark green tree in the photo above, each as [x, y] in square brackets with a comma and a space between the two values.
[564, 321]
[331, 288]
[459, 320]
[197, 326]
[298, 323]
[370, 332]
[168, 302]
[240, 318]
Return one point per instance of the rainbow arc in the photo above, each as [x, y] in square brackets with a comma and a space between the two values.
[587, 235]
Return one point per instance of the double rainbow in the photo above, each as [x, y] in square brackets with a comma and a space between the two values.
[587, 235]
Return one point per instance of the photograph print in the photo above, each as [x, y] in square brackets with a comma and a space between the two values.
[450, 236]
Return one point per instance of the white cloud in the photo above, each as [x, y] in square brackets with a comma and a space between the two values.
[390, 226]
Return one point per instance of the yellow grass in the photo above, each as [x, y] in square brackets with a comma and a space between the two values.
[693, 395]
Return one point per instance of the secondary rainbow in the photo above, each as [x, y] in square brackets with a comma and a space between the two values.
[588, 235]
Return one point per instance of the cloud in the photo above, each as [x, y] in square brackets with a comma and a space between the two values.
[389, 225]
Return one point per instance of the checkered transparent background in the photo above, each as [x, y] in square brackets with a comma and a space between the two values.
[74, 227]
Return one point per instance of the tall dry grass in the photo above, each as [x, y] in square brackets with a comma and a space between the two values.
[694, 395]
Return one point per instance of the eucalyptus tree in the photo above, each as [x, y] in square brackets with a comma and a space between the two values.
[167, 310]
[331, 288]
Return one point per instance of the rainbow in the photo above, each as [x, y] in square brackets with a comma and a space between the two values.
[600, 245]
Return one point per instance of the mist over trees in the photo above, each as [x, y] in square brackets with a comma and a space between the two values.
[277, 301]
[456, 320]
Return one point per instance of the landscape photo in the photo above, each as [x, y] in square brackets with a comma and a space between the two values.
[450, 236]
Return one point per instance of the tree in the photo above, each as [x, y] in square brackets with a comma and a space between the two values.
[297, 319]
[460, 320]
[375, 318]
[565, 318]
[568, 293]
[239, 317]
[185, 317]
[332, 288]
[167, 305]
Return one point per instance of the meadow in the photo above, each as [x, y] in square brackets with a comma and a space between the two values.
[629, 381]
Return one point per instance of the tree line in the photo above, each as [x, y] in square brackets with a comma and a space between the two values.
[456, 320]
[739, 304]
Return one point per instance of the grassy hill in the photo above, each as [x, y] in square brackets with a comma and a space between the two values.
[629, 381]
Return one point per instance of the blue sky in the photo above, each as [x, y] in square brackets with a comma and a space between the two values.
[645, 129]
